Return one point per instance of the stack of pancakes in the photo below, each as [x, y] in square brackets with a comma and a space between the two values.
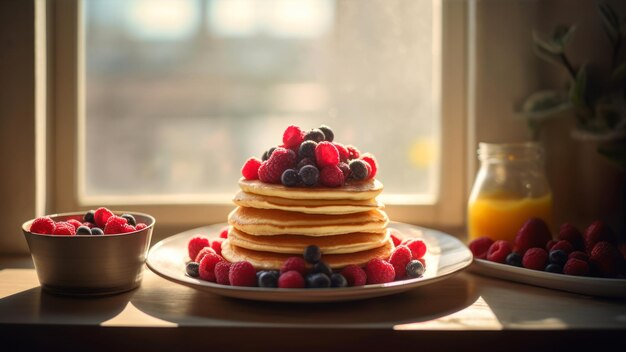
[272, 223]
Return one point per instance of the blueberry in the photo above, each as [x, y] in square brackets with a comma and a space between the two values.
[267, 278]
[554, 268]
[328, 133]
[290, 178]
[338, 280]
[130, 219]
[96, 231]
[83, 230]
[309, 175]
[414, 269]
[268, 153]
[312, 254]
[89, 217]
[316, 135]
[317, 280]
[514, 259]
[305, 161]
[358, 169]
[322, 268]
[307, 149]
[558, 256]
[193, 269]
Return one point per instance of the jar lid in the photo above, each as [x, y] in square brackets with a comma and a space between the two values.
[525, 151]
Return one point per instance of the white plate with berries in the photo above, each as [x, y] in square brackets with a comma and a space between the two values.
[445, 256]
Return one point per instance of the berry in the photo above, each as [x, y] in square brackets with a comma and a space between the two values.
[89, 224]
[305, 161]
[267, 279]
[326, 154]
[140, 226]
[74, 223]
[498, 251]
[480, 246]
[605, 259]
[596, 232]
[576, 267]
[533, 233]
[415, 269]
[271, 170]
[338, 280]
[379, 271]
[101, 215]
[328, 133]
[307, 149]
[564, 246]
[353, 152]
[317, 280]
[417, 247]
[514, 259]
[268, 153]
[222, 272]
[89, 217]
[355, 275]
[579, 255]
[293, 136]
[331, 176]
[554, 268]
[399, 258]
[315, 135]
[63, 228]
[322, 268]
[358, 169]
[344, 154]
[558, 256]
[115, 224]
[570, 233]
[345, 169]
[550, 244]
[290, 178]
[309, 175]
[202, 253]
[83, 230]
[250, 169]
[207, 266]
[535, 259]
[369, 158]
[395, 238]
[128, 228]
[195, 245]
[43, 225]
[294, 264]
[96, 231]
[291, 279]
[312, 254]
[216, 245]
[129, 219]
[193, 269]
[224, 232]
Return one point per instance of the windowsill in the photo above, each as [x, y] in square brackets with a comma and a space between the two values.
[470, 308]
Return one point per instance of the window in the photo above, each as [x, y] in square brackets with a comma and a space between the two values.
[171, 96]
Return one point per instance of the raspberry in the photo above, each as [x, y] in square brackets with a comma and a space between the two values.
[576, 267]
[326, 154]
[395, 237]
[202, 253]
[140, 226]
[207, 266]
[563, 245]
[64, 229]
[293, 136]
[353, 152]
[579, 255]
[417, 247]
[115, 224]
[294, 264]
[498, 251]
[344, 154]
[596, 232]
[271, 170]
[535, 259]
[369, 158]
[250, 169]
[128, 228]
[44, 225]
[331, 176]
[534, 233]
[570, 233]
[242, 274]
[605, 259]
[399, 258]
[224, 232]
[291, 279]
[480, 246]
[74, 223]
[101, 215]
[195, 245]
[222, 269]
[549, 245]
[379, 271]
[355, 275]
[217, 246]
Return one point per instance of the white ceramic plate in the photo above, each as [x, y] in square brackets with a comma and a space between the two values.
[446, 256]
[591, 286]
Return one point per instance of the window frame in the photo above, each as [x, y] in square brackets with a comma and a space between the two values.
[68, 108]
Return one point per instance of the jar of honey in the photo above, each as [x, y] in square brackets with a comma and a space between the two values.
[510, 187]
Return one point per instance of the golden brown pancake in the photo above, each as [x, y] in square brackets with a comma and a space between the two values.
[351, 190]
[295, 244]
[309, 206]
[270, 261]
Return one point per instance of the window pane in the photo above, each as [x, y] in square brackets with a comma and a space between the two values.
[179, 93]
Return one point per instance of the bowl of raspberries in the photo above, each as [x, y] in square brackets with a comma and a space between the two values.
[97, 252]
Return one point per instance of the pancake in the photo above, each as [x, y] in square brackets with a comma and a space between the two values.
[309, 206]
[269, 222]
[354, 190]
[273, 261]
[295, 244]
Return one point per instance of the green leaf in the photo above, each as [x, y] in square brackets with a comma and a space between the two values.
[547, 56]
[550, 47]
[562, 35]
[545, 104]
[610, 22]
[578, 90]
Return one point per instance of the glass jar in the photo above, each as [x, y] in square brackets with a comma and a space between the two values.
[510, 187]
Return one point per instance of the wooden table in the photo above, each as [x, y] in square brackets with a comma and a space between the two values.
[465, 312]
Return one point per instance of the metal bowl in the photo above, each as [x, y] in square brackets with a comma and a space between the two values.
[85, 265]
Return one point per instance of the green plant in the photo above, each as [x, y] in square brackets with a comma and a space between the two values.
[597, 100]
